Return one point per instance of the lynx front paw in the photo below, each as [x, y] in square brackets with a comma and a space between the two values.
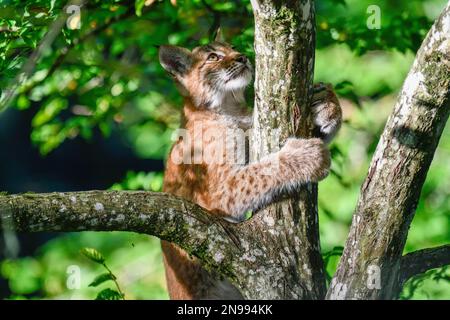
[308, 158]
[327, 113]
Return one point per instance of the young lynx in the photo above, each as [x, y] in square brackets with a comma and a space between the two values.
[212, 79]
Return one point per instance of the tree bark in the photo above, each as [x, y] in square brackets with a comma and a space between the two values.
[397, 172]
[158, 214]
[276, 254]
[287, 231]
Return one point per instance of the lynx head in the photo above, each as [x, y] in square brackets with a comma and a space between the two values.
[213, 76]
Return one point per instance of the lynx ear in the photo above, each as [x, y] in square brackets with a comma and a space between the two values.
[175, 60]
[218, 35]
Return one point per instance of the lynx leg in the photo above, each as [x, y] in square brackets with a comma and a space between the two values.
[256, 185]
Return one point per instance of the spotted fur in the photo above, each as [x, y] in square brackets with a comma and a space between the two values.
[212, 79]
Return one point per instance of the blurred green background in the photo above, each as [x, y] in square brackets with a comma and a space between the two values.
[102, 85]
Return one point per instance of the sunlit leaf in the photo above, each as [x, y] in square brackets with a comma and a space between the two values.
[101, 279]
[93, 255]
[109, 294]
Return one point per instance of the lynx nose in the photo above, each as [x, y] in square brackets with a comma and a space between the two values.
[241, 58]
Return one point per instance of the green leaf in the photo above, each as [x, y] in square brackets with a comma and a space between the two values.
[105, 128]
[346, 89]
[23, 102]
[109, 294]
[52, 5]
[151, 181]
[48, 137]
[93, 255]
[102, 278]
[139, 4]
[49, 111]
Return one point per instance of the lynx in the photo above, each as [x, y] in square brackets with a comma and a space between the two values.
[212, 78]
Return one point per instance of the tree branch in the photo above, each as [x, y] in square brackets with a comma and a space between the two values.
[158, 214]
[420, 261]
[391, 191]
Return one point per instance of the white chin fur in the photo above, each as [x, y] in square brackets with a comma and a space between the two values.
[240, 82]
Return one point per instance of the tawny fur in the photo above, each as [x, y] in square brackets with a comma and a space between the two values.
[212, 79]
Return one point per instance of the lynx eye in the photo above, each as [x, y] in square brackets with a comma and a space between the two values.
[214, 57]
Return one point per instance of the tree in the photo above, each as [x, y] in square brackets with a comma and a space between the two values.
[276, 254]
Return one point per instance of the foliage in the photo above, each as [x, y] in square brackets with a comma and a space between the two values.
[135, 258]
[417, 284]
[400, 30]
[105, 294]
[105, 78]
[151, 181]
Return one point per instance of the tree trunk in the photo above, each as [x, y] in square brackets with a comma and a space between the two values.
[287, 232]
[397, 172]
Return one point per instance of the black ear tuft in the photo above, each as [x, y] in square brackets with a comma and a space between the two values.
[176, 60]
[218, 35]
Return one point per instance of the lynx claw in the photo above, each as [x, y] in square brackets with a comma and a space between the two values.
[236, 218]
